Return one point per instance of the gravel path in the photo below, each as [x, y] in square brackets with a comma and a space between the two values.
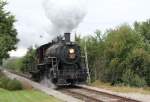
[136, 96]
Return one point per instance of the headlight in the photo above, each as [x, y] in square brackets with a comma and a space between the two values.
[71, 51]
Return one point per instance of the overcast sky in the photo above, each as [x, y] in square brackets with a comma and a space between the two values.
[32, 23]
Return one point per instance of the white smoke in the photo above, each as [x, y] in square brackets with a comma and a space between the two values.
[65, 15]
[47, 83]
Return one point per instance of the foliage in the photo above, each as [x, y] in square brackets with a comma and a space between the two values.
[14, 85]
[132, 79]
[4, 81]
[22, 64]
[29, 60]
[143, 28]
[10, 84]
[121, 55]
[13, 64]
[119, 44]
[8, 33]
[94, 45]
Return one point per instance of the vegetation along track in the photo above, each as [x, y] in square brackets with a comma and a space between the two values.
[89, 95]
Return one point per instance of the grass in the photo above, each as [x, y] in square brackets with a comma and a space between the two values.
[123, 89]
[25, 96]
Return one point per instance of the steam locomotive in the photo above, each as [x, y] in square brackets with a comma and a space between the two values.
[61, 62]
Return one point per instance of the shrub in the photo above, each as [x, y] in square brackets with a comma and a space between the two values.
[131, 79]
[9, 84]
[14, 85]
[3, 82]
[138, 81]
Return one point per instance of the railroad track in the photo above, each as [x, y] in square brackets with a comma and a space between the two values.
[89, 95]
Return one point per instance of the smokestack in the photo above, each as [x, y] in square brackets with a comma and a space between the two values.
[67, 37]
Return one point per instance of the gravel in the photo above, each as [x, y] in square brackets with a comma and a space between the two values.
[135, 96]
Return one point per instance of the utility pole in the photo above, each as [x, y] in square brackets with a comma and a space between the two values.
[87, 65]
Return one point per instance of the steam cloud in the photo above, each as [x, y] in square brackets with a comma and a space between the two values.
[65, 15]
[47, 83]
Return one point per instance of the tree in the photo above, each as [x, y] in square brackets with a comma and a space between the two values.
[120, 56]
[125, 50]
[22, 64]
[8, 33]
[94, 46]
[143, 28]
[29, 60]
[13, 63]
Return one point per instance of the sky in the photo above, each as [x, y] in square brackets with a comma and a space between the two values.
[32, 24]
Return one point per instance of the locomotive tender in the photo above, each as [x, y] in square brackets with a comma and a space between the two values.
[61, 62]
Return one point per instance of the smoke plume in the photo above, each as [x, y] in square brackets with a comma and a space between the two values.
[65, 15]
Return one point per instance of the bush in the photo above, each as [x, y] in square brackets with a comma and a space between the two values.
[9, 84]
[129, 78]
[3, 82]
[14, 85]
[139, 82]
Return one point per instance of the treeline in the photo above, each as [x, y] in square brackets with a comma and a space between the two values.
[120, 56]
[22, 64]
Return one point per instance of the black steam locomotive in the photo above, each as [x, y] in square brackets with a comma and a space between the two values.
[61, 62]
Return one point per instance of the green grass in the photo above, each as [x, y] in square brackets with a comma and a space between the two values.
[123, 89]
[25, 96]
